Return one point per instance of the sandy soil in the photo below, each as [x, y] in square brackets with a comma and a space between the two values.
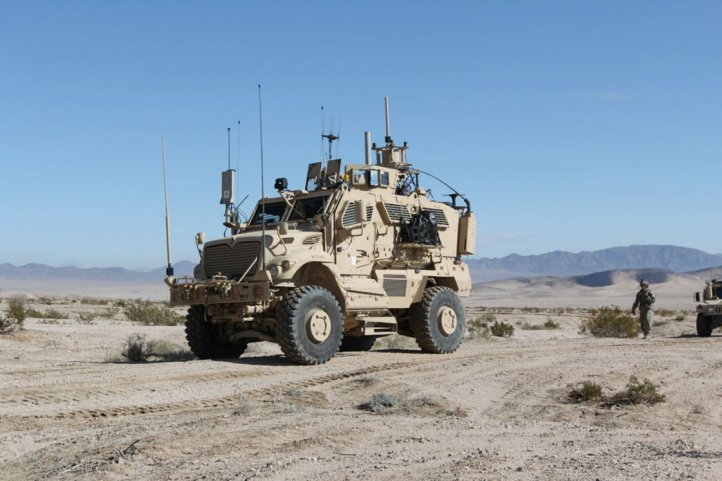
[494, 410]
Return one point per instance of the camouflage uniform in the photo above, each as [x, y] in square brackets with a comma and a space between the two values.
[644, 301]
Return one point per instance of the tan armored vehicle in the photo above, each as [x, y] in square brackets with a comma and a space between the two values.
[709, 308]
[354, 255]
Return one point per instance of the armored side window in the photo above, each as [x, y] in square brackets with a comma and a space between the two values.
[384, 180]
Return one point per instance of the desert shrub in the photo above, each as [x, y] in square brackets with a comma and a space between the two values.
[121, 303]
[501, 329]
[94, 302]
[46, 300]
[395, 341]
[488, 317]
[548, 325]
[609, 322]
[136, 348]
[367, 380]
[85, 317]
[169, 352]
[679, 318]
[636, 392]
[17, 310]
[379, 403]
[8, 324]
[49, 314]
[109, 312]
[664, 312]
[586, 391]
[662, 322]
[478, 328]
[149, 314]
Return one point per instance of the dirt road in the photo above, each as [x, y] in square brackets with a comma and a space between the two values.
[495, 410]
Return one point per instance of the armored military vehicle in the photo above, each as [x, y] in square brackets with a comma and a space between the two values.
[709, 308]
[352, 256]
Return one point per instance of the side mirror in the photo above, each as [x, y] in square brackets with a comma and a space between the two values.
[696, 296]
[200, 238]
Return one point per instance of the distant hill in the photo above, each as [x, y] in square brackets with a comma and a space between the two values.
[95, 274]
[562, 263]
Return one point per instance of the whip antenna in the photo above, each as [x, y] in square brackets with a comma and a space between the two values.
[263, 197]
[169, 268]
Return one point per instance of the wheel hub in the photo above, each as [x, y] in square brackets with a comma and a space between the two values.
[447, 320]
[318, 325]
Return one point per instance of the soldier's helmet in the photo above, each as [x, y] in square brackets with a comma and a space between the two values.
[643, 283]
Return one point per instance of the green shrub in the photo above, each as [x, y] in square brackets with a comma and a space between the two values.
[501, 329]
[584, 392]
[636, 392]
[149, 314]
[610, 322]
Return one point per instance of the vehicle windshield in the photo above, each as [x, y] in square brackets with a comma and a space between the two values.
[273, 213]
[307, 208]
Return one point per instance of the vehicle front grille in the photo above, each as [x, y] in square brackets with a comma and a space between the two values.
[231, 262]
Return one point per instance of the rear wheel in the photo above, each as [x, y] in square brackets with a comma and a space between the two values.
[365, 343]
[310, 326]
[704, 326]
[204, 338]
[438, 321]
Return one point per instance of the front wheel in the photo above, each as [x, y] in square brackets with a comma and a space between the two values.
[437, 322]
[704, 326]
[310, 326]
[204, 338]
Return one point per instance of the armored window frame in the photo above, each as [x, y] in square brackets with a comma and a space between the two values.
[271, 210]
[299, 212]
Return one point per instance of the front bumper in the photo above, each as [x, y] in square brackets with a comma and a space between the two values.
[219, 292]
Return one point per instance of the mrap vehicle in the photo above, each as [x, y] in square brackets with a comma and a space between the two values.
[709, 308]
[356, 254]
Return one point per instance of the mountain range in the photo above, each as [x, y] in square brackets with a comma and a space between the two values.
[557, 263]
[564, 264]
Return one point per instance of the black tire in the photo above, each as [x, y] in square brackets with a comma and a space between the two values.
[350, 344]
[704, 326]
[203, 339]
[310, 326]
[438, 321]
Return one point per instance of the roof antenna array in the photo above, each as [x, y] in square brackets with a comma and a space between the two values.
[391, 155]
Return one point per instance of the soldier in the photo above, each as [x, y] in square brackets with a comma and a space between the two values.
[644, 301]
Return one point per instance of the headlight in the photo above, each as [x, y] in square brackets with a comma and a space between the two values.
[275, 270]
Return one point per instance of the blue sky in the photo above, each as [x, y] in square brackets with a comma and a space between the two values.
[571, 125]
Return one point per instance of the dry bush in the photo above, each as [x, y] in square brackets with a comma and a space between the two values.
[138, 349]
[17, 310]
[501, 329]
[584, 392]
[381, 403]
[550, 324]
[610, 322]
[85, 317]
[636, 392]
[94, 302]
[149, 314]
[679, 317]
[478, 328]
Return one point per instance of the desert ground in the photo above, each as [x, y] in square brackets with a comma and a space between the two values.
[73, 408]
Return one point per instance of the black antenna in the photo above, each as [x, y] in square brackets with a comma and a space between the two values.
[238, 154]
[169, 268]
[263, 197]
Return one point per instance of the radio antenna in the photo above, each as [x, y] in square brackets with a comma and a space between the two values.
[263, 197]
[238, 153]
[229, 148]
[169, 268]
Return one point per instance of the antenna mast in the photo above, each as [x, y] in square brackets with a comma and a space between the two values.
[169, 268]
[263, 197]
